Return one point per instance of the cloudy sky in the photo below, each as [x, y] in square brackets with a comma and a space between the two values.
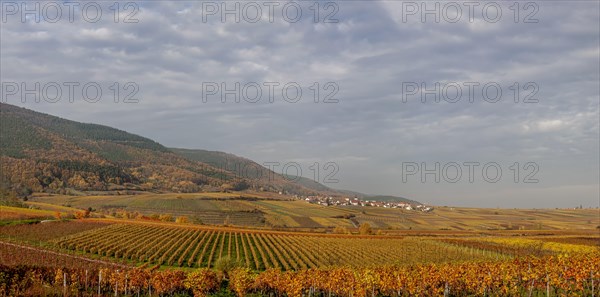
[377, 59]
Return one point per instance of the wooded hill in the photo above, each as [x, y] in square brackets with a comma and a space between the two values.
[45, 153]
[41, 152]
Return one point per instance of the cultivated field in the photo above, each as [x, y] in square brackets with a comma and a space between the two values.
[83, 257]
[269, 245]
[194, 247]
[14, 214]
[258, 210]
[190, 246]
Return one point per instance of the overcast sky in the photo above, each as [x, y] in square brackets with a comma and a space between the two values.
[370, 55]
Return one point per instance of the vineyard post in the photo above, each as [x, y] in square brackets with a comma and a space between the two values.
[329, 288]
[99, 282]
[531, 288]
[398, 277]
[592, 277]
[373, 290]
[86, 279]
[548, 285]
[117, 283]
[491, 279]
[64, 284]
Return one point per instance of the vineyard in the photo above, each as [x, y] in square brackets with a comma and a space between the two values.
[194, 247]
[13, 254]
[91, 257]
[530, 276]
[36, 233]
[125, 258]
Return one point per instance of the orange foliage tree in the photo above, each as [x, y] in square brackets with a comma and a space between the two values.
[202, 282]
[241, 280]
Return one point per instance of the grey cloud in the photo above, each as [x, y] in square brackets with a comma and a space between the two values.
[369, 53]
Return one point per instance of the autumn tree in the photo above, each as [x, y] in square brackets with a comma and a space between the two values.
[227, 188]
[182, 220]
[201, 282]
[225, 265]
[169, 281]
[365, 229]
[138, 279]
[82, 214]
[166, 217]
[241, 280]
[340, 230]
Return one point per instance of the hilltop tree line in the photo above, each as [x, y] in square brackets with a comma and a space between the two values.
[22, 177]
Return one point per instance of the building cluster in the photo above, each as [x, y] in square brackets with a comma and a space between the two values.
[335, 201]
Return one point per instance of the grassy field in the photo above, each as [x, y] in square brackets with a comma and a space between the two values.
[13, 214]
[36, 212]
[277, 211]
[51, 207]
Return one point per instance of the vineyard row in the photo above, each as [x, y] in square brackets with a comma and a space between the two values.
[183, 247]
[530, 276]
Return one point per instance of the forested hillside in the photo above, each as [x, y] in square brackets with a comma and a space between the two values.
[255, 172]
[45, 153]
[40, 152]
[258, 174]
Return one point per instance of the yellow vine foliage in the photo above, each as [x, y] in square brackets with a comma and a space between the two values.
[201, 282]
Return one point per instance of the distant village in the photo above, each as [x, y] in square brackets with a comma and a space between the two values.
[331, 201]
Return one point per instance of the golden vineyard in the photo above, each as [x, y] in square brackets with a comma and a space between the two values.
[192, 247]
[108, 258]
[531, 276]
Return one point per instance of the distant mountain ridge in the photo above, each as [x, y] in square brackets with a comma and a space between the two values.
[41, 152]
[248, 169]
[236, 164]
